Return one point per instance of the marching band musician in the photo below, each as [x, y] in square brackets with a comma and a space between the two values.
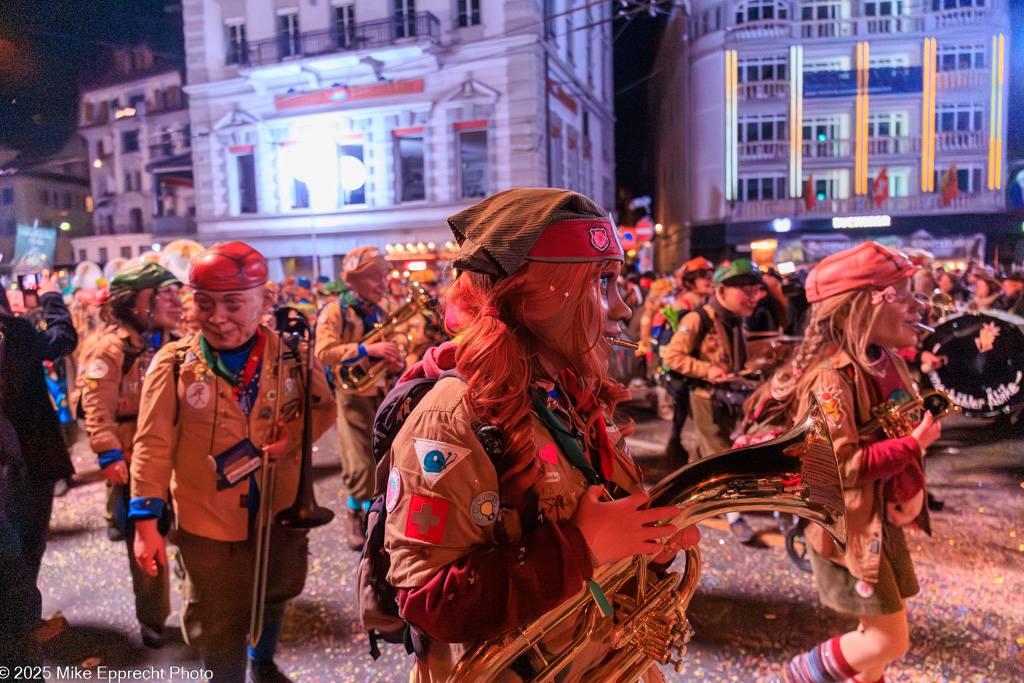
[483, 539]
[207, 413]
[142, 307]
[340, 327]
[863, 312]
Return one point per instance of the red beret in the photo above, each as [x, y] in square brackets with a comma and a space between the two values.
[867, 265]
[228, 267]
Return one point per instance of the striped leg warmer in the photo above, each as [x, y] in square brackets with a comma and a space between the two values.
[823, 663]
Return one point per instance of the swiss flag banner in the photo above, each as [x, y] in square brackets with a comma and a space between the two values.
[880, 187]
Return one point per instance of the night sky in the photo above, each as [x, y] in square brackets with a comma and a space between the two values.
[48, 48]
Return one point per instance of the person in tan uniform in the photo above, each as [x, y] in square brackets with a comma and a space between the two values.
[863, 312]
[141, 308]
[340, 330]
[207, 414]
[708, 345]
[483, 539]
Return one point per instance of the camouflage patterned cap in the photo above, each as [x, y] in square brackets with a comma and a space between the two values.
[497, 234]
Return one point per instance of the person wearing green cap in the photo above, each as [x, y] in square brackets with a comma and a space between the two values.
[710, 345]
[142, 308]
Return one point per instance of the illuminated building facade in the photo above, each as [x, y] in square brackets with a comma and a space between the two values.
[322, 126]
[798, 113]
[135, 123]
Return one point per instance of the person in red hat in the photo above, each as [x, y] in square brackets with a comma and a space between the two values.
[496, 480]
[205, 421]
[862, 312]
[143, 306]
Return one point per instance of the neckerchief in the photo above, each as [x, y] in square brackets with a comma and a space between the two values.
[566, 441]
[245, 380]
[368, 313]
[586, 403]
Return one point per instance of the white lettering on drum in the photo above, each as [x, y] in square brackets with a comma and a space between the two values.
[994, 397]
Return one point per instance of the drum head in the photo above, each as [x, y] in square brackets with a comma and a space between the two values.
[981, 363]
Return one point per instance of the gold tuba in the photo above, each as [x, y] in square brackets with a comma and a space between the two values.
[796, 472]
[354, 377]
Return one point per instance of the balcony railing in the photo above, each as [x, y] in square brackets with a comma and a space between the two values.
[961, 140]
[827, 149]
[955, 80]
[860, 25]
[764, 151]
[893, 145]
[763, 90]
[418, 26]
[929, 203]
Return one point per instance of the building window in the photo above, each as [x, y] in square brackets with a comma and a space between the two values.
[887, 125]
[819, 10]
[755, 188]
[238, 48]
[88, 112]
[762, 69]
[103, 255]
[82, 255]
[761, 10]
[288, 34]
[472, 163]
[130, 141]
[186, 136]
[958, 117]
[166, 147]
[960, 57]
[345, 25]
[246, 188]
[939, 5]
[549, 24]
[300, 194]
[899, 180]
[410, 168]
[352, 175]
[769, 127]
[883, 8]
[967, 179]
[135, 216]
[8, 195]
[468, 12]
[126, 252]
[110, 231]
[136, 102]
[405, 18]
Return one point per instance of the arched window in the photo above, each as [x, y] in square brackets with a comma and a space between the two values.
[762, 10]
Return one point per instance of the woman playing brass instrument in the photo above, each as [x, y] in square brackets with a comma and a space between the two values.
[862, 312]
[484, 538]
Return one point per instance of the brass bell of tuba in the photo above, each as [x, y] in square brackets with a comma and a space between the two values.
[363, 373]
[796, 472]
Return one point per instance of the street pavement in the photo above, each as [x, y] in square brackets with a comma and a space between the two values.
[753, 607]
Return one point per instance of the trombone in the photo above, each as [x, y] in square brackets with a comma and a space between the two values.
[304, 513]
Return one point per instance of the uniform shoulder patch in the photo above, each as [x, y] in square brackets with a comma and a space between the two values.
[98, 369]
[427, 519]
[437, 458]
[394, 490]
[484, 509]
[829, 396]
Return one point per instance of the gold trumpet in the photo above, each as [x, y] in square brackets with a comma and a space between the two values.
[354, 377]
[796, 472]
[895, 421]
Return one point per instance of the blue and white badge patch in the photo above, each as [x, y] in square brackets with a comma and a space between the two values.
[484, 509]
[394, 490]
[437, 458]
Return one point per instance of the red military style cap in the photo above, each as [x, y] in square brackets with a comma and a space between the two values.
[867, 265]
[228, 267]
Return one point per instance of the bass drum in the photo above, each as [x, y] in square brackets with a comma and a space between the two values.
[980, 362]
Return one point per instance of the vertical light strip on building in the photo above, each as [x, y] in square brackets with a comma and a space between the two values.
[857, 118]
[999, 117]
[796, 115]
[992, 115]
[863, 132]
[730, 124]
[928, 117]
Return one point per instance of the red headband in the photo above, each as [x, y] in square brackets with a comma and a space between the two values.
[577, 240]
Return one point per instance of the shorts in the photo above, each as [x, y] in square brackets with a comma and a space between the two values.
[844, 592]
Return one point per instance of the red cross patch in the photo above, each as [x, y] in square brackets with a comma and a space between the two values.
[426, 520]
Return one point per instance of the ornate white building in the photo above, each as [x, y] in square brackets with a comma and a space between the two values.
[323, 125]
[819, 119]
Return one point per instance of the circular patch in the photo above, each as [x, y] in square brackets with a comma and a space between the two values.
[484, 509]
[393, 491]
[271, 395]
[864, 589]
[198, 394]
[98, 369]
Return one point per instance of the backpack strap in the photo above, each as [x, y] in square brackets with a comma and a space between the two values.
[179, 360]
[706, 323]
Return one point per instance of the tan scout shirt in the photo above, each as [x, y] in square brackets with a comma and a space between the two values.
[339, 332]
[847, 404]
[210, 421]
[441, 464]
[110, 395]
[715, 348]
